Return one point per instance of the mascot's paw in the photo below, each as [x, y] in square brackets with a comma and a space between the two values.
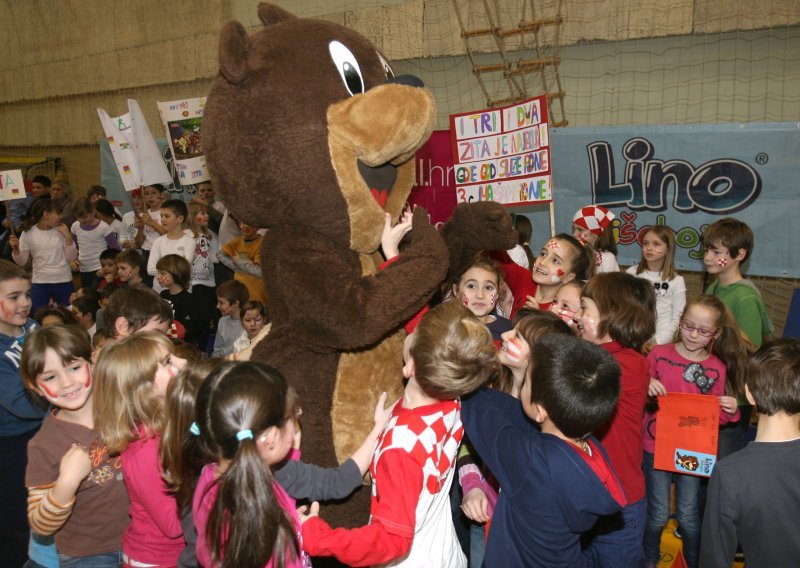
[425, 238]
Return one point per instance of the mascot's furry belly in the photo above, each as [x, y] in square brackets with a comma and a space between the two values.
[361, 377]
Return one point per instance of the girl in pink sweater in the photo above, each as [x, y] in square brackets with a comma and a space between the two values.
[708, 359]
[132, 376]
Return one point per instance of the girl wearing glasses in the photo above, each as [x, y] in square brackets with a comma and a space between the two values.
[709, 358]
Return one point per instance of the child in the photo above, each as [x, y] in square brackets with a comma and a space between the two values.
[20, 415]
[135, 310]
[108, 268]
[450, 354]
[132, 376]
[753, 496]
[241, 514]
[243, 256]
[75, 487]
[521, 254]
[85, 310]
[49, 243]
[477, 288]
[658, 266]
[231, 296]
[92, 236]
[561, 260]
[592, 225]
[148, 227]
[130, 267]
[254, 317]
[174, 275]
[174, 240]
[104, 210]
[729, 243]
[478, 484]
[60, 315]
[618, 314]
[98, 342]
[129, 220]
[567, 302]
[203, 282]
[711, 349]
[556, 481]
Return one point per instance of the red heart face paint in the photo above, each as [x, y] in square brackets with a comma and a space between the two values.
[559, 272]
[465, 300]
[88, 380]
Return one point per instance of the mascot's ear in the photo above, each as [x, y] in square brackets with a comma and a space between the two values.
[271, 14]
[233, 52]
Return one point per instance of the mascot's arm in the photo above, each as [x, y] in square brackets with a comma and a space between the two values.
[474, 227]
[332, 304]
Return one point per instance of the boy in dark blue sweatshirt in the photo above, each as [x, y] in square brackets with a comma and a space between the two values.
[555, 478]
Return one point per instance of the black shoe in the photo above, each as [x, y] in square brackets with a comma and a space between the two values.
[676, 531]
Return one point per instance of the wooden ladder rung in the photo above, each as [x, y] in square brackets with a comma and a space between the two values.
[528, 64]
[559, 124]
[528, 26]
[478, 69]
[502, 102]
[479, 32]
[558, 95]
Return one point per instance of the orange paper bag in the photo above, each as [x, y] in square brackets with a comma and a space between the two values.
[687, 432]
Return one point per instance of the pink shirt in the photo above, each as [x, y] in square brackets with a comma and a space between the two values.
[205, 494]
[675, 372]
[154, 535]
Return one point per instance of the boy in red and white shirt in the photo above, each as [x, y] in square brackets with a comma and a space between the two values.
[450, 354]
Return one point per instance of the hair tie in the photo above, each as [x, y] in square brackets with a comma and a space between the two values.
[244, 435]
[526, 243]
[194, 429]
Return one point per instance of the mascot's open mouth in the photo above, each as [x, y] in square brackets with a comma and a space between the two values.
[379, 179]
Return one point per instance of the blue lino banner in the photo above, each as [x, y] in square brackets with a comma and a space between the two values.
[686, 177]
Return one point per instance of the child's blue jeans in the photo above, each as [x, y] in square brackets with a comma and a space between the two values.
[687, 511]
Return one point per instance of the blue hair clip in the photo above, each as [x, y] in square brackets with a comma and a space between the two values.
[244, 435]
[194, 429]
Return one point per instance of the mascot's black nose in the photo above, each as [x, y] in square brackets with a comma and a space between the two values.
[409, 80]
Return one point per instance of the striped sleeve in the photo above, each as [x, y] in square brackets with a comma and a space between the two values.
[45, 515]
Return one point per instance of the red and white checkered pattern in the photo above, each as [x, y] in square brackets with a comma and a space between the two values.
[594, 218]
[432, 440]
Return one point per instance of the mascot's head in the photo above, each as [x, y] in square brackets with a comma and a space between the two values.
[307, 126]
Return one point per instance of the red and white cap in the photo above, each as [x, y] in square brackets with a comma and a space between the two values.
[594, 218]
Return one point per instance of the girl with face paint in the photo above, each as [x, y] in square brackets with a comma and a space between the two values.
[618, 314]
[132, 378]
[67, 463]
[561, 260]
[478, 288]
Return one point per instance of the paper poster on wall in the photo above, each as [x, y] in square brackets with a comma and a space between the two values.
[135, 152]
[503, 154]
[182, 122]
[687, 433]
[12, 185]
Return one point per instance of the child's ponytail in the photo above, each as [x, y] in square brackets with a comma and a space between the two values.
[731, 346]
[247, 527]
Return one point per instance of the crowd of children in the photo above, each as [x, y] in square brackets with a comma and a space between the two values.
[534, 384]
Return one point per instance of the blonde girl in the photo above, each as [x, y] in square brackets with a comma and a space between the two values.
[657, 265]
[131, 379]
[204, 285]
[709, 358]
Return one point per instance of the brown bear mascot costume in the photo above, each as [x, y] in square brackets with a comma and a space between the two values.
[309, 134]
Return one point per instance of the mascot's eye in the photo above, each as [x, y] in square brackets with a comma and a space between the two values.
[386, 67]
[347, 66]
